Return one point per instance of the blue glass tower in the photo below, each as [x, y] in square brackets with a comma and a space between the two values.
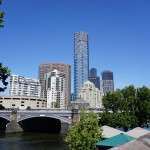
[94, 78]
[81, 60]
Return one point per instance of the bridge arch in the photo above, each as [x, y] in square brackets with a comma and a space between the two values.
[6, 118]
[3, 122]
[64, 119]
[40, 124]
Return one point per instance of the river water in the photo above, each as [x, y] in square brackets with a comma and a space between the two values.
[34, 141]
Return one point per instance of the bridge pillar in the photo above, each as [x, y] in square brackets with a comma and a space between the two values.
[13, 125]
[14, 115]
[75, 116]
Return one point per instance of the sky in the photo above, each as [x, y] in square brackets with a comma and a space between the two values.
[41, 31]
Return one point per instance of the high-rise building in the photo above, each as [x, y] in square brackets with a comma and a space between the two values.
[64, 68]
[94, 78]
[81, 60]
[107, 81]
[55, 87]
[91, 94]
[20, 85]
[93, 72]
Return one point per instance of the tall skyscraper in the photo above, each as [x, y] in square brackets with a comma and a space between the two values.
[20, 85]
[94, 78]
[55, 87]
[107, 81]
[64, 68]
[81, 60]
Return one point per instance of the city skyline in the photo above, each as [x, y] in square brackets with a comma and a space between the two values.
[118, 32]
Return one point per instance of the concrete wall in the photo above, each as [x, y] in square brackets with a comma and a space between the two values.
[22, 102]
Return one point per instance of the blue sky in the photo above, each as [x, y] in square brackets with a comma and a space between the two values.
[41, 31]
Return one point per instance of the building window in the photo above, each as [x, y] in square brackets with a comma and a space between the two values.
[7, 98]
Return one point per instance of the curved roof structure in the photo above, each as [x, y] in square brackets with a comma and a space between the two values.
[110, 132]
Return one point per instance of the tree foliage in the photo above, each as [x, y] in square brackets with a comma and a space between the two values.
[143, 106]
[28, 108]
[84, 134]
[126, 108]
[4, 71]
[1, 16]
[4, 74]
[2, 107]
[55, 105]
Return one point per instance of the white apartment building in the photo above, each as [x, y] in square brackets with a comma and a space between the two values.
[91, 94]
[20, 85]
[55, 87]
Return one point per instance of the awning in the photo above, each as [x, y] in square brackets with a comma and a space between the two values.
[147, 128]
[115, 140]
[142, 143]
[137, 132]
[110, 132]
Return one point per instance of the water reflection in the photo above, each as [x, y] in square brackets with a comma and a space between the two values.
[34, 141]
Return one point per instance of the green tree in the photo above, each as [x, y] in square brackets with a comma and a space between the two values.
[4, 71]
[116, 113]
[55, 105]
[122, 108]
[129, 98]
[143, 106]
[84, 134]
[28, 108]
[112, 101]
[2, 107]
[1, 16]
[4, 74]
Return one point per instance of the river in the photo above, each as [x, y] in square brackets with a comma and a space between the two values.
[34, 141]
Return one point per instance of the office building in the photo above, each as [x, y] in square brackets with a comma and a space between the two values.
[55, 87]
[81, 60]
[64, 68]
[91, 94]
[107, 81]
[94, 78]
[20, 85]
[93, 72]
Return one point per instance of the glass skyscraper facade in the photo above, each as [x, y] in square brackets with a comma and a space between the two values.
[94, 78]
[107, 81]
[81, 60]
[93, 72]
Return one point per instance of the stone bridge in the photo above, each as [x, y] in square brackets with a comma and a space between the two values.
[62, 115]
[37, 120]
[67, 116]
